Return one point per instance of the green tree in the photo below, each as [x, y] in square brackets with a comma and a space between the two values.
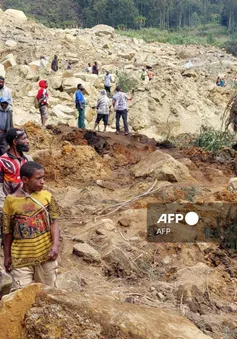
[140, 21]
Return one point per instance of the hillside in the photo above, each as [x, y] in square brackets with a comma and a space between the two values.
[172, 15]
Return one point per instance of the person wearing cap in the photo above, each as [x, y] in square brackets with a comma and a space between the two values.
[102, 110]
[43, 98]
[80, 105]
[6, 122]
[120, 105]
[107, 82]
[5, 92]
[11, 162]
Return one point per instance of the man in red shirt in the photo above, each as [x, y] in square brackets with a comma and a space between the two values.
[11, 162]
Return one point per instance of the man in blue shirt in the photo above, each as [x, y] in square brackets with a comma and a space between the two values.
[80, 105]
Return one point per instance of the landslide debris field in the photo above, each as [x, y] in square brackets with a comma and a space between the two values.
[112, 283]
[103, 183]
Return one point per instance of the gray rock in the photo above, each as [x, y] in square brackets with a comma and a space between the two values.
[87, 252]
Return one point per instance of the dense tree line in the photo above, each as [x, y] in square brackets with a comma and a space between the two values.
[164, 14]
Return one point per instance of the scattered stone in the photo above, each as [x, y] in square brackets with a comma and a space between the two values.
[88, 253]
[8, 61]
[11, 43]
[71, 281]
[161, 166]
[125, 222]
[232, 186]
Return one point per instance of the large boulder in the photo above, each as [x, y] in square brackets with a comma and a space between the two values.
[85, 315]
[15, 14]
[161, 166]
[87, 76]
[86, 252]
[128, 55]
[102, 30]
[63, 112]
[8, 61]
[56, 82]
[11, 43]
[13, 308]
[70, 86]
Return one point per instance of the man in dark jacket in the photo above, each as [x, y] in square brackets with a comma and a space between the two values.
[54, 64]
[6, 122]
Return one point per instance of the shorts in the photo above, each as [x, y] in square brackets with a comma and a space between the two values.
[103, 117]
[44, 111]
[44, 273]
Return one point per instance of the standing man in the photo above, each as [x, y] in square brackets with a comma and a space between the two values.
[120, 105]
[102, 110]
[31, 233]
[5, 92]
[80, 105]
[107, 82]
[43, 98]
[88, 68]
[143, 75]
[43, 61]
[54, 64]
[6, 122]
[11, 162]
[95, 68]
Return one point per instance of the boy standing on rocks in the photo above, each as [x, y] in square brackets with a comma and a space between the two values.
[31, 233]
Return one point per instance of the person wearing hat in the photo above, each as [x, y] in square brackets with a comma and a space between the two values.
[80, 105]
[107, 82]
[6, 122]
[102, 110]
[4, 91]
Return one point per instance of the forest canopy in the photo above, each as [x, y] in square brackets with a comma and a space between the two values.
[125, 14]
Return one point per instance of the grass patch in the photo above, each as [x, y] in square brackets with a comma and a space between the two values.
[209, 34]
[208, 139]
[127, 83]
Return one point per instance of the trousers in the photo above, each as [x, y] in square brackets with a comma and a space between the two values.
[124, 115]
[45, 273]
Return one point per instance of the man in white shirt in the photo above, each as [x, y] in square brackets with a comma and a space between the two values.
[120, 105]
[107, 82]
[5, 92]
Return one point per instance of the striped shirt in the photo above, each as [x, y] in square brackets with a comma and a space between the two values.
[103, 105]
[30, 226]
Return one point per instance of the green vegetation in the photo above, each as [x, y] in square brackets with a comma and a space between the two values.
[212, 140]
[127, 84]
[209, 34]
[165, 15]
[208, 139]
